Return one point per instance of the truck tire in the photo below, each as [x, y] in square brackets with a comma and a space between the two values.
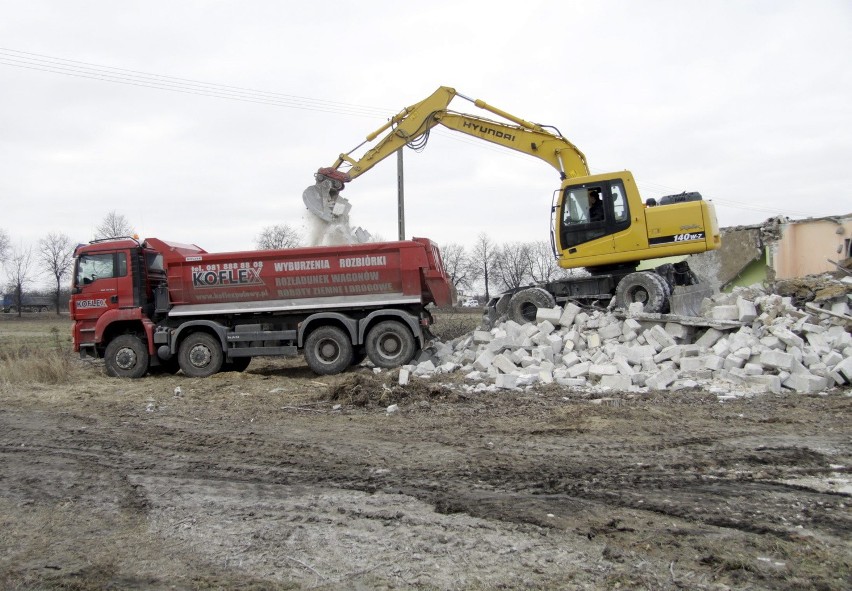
[126, 356]
[328, 350]
[645, 287]
[524, 304]
[390, 344]
[200, 355]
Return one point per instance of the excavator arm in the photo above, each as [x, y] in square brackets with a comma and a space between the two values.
[411, 126]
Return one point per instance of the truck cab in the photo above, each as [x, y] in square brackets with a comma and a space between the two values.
[112, 291]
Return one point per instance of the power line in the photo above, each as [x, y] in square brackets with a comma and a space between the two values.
[81, 69]
[33, 61]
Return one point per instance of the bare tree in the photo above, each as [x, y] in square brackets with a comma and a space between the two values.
[543, 265]
[112, 226]
[459, 265]
[4, 245]
[483, 259]
[278, 236]
[55, 253]
[18, 268]
[512, 265]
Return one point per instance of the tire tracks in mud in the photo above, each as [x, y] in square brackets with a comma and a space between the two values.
[705, 481]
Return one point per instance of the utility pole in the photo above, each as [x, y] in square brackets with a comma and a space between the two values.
[400, 195]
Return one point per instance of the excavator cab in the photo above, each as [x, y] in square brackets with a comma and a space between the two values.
[591, 210]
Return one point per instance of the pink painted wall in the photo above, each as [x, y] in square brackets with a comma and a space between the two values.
[805, 245]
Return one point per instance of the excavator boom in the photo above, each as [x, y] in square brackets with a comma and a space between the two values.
[413, 124]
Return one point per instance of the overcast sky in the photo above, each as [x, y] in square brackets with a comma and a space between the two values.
[747, 102]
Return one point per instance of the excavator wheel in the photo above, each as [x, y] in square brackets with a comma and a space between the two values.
[524, 304]
[645, 287]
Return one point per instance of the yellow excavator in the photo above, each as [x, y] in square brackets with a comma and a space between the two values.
[600, 222]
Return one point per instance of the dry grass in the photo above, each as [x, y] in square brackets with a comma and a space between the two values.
[451, 323]
[35, 351]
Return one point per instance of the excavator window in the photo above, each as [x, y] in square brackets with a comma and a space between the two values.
[594, 210]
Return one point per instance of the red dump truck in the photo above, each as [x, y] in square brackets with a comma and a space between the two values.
[168, 306]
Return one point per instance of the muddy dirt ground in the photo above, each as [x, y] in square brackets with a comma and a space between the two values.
[277, 479]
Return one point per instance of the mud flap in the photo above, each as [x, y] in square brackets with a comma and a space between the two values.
[686, 299]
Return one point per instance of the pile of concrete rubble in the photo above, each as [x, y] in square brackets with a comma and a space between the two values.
[748, 341]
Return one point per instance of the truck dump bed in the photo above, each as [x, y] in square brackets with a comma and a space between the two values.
[373, 274]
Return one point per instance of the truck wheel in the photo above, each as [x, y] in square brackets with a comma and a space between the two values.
[644, 287]
[236, 364]
[525, 304]
[200, 355]
[328, 350]
[390, 344]
[126, 356]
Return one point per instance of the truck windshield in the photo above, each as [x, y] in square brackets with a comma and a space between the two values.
[91, 267]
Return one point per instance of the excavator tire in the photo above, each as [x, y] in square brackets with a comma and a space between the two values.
[525, 304]
[645, 287]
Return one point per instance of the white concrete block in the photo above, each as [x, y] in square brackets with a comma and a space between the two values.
[672, 352]
[660, 380]
[843, 370]
[733, 361]
[570, 359]
[483, 361]
[504, 364]
[551, 315]
[662, 336]
[506, 381]
[832, 359]
[631, 325]
[772, 342]
[777, 359]
[497, 344]
[624, 367]
[677, 331]
[569, 314]
[545, 376]
[767, 383]
[610, 331]
[616, 382]
[753, 369]
[424, 368]
[724, 313]
[806, 383]
[605, 369]
[580, 369]
[746, 310]
[818, 343]
[709, 338]
[546, 327]
[787, 336]
[635, 308]
[571, 382]
[636, 353]
[593, 340]
[691, 363]
[481, 336]
[404, 375]
[555, 343]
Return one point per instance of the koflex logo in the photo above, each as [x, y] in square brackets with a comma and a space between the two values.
[225, 277]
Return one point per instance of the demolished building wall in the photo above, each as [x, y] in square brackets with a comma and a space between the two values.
[808, 247]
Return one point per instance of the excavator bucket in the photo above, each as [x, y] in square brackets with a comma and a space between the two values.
[323, 201]
[686, 299]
